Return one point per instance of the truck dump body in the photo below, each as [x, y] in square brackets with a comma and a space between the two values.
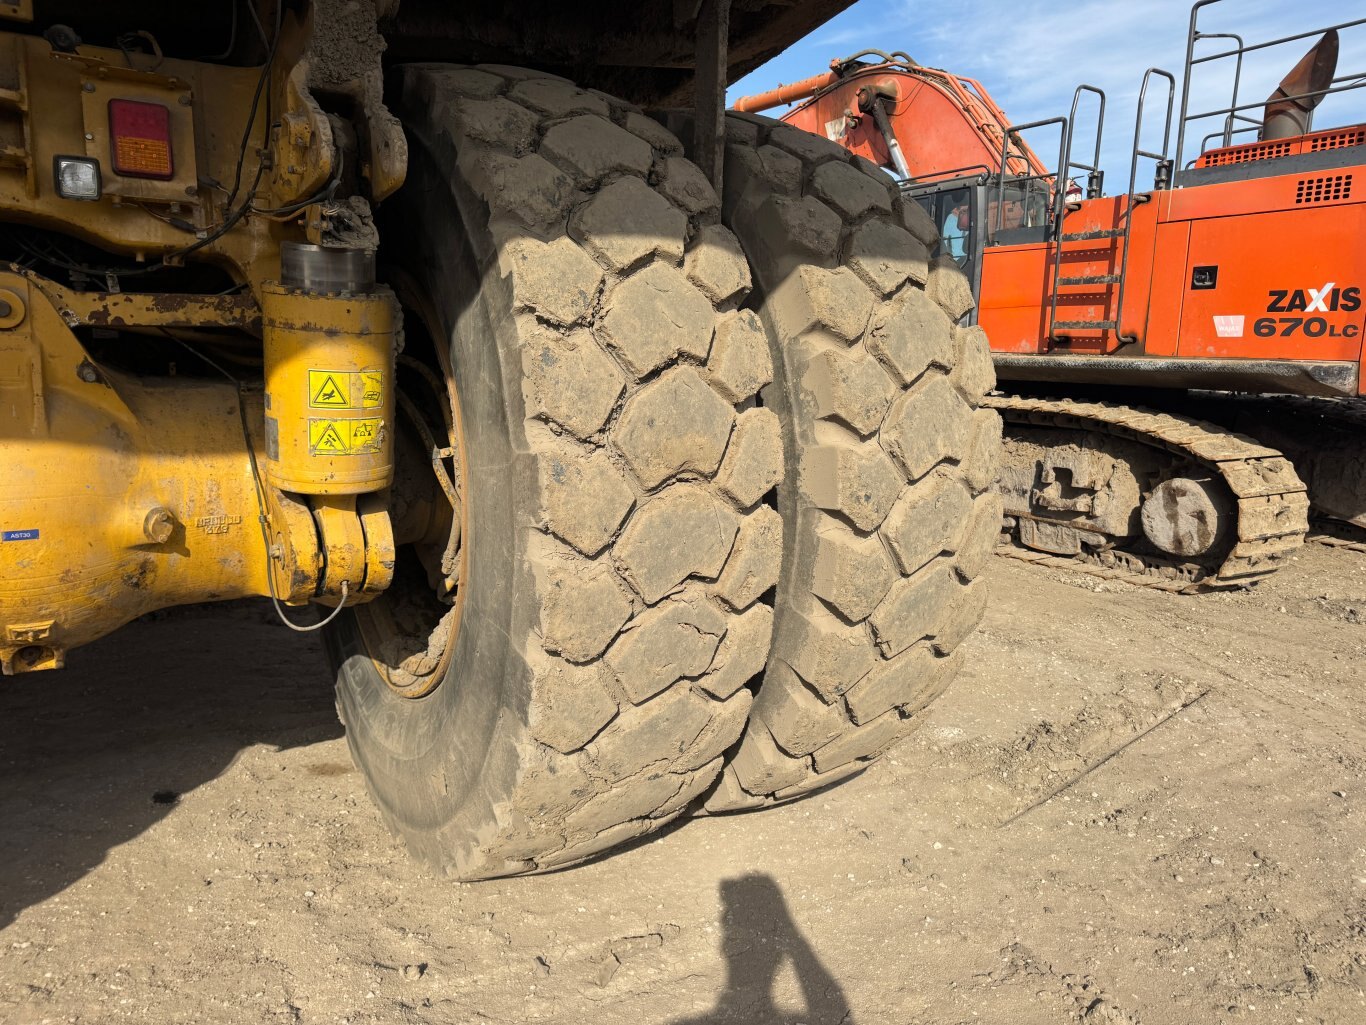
[643, 51]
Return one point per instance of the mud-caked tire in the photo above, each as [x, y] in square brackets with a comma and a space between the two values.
[615, 468]
[887, 506]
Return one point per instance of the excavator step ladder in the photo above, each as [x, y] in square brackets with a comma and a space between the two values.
[1120, 235]
[1089, 236]
[1091, 279]
[1094, 189]
[1085, 325]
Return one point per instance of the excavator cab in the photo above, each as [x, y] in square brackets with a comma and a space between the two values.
[954, 207]
[980, 211]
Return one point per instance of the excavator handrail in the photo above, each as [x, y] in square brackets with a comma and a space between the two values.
[1095, 176]
[1059, 198]
[1271, 42]
[1164, 170]
[1221, 133]
[1138, 151]
[984, 175]
[1358, 82]
[1228, 130]
[1232, 112]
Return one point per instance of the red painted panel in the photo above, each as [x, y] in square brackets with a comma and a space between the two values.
[1341, 186]
[1014, 282]
[1297, 275]
[1169, 278]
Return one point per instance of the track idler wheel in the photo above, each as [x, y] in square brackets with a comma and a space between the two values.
[1186, 517]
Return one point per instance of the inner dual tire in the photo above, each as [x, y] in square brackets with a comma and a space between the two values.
[634, 477]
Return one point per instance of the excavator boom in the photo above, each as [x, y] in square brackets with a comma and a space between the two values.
[941, 124]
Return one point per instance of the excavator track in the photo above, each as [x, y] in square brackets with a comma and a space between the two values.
[1331, 535]
[1271, 503]
[1335, 534]
[1325, 438]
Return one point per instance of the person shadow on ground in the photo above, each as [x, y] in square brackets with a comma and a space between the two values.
[758, 938]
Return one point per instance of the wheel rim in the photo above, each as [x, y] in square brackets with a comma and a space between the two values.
[410, 631]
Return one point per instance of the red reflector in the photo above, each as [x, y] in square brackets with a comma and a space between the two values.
[140, 139]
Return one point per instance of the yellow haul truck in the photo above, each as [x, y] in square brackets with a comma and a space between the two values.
[632, 449]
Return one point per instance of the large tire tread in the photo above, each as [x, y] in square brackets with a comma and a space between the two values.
[638, 468]
[888, 508]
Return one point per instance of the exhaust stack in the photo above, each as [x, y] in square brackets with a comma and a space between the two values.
[1288, 108]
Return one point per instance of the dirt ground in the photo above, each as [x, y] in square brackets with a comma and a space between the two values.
[183, 839]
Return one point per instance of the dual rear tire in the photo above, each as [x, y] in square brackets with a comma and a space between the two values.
[720, 538]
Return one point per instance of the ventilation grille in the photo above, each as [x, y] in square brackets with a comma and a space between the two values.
[1318, 142]
[1337, 140]
[1247, 154]
[1326, 189]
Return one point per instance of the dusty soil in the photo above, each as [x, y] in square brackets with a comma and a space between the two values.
[183, 839]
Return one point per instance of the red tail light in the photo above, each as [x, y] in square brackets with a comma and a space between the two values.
[140, 139]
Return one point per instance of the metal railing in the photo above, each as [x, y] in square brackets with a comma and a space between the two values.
[1161, 178]
[936, 178]
[1064, 134]
[1226, 139]
[1095, 179]
[1234, 114]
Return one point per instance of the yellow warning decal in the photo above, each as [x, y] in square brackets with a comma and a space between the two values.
[329, 390]
[371, 389]
[338, 389]
[365, 435]
[329, 437]
[344, 437]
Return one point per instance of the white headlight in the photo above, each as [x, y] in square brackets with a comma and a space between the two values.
[77, 177]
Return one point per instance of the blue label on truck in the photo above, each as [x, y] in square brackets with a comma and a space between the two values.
[19, 535]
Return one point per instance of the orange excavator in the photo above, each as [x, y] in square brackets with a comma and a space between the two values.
[1183, 362]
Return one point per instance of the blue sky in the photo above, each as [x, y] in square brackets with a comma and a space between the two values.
[1031, 55]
